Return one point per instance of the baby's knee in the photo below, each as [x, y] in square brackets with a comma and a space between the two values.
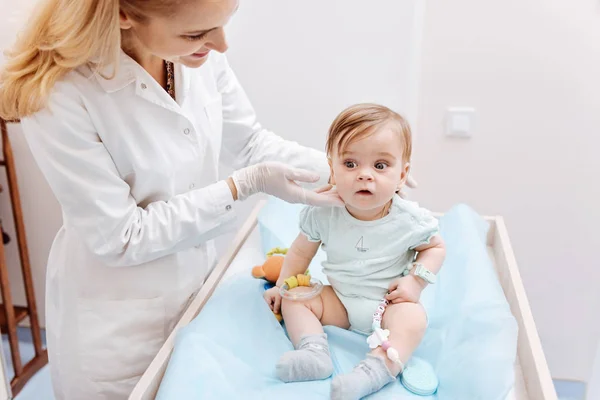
[411, 316]
[416, 318]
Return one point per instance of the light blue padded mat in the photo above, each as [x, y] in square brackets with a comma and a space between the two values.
[229, 351]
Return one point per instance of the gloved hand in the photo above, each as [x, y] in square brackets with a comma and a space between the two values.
[411, 183]
[277, 179]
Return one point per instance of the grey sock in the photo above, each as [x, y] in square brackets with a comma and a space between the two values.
[367, 377]
[310, 361]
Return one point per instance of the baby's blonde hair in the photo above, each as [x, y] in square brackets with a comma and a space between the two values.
[362, 120]
[61, 36]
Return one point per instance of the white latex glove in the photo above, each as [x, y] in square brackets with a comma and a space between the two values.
[411, 183]
[277, 179]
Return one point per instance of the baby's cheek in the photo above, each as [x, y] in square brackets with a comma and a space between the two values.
[345, 194]
[389, 184]
[343, 183]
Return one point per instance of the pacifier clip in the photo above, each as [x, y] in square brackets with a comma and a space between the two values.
[379, 337]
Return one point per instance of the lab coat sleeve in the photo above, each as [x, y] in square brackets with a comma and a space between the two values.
[246, 142]
[96, 202]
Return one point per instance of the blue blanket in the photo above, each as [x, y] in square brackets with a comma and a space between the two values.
[230, 350]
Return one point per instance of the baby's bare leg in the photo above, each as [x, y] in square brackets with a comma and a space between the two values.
[407, 323]
[304, 322]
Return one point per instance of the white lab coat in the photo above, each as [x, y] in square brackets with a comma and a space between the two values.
[136, 176]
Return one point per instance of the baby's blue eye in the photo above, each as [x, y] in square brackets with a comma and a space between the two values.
[380, 165]
[350, 164]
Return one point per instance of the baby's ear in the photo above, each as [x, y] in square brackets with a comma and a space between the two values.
[331, 175]
[403, 177]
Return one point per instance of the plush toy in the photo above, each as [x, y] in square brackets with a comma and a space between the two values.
[271, 268]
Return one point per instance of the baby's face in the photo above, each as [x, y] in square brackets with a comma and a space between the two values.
[370, 170]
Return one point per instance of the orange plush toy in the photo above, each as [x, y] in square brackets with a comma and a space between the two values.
[271, 268]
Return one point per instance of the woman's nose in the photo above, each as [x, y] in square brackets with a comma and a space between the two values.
[218, 41]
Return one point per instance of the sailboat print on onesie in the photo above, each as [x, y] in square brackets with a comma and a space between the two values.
[360, 245]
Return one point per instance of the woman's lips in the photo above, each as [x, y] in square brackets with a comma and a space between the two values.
[200, 55]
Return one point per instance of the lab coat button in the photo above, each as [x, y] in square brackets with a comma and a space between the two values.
[186, 131]
[228, 207]
[143, 85]
[192, 185]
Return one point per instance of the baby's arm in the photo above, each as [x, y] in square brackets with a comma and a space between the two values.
[409, 288]
[431, 255]
[298, 258]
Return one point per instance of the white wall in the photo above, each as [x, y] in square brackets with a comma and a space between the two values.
[593, 387]
[303, 62]
[532, 70]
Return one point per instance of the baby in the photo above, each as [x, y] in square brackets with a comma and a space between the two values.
[382, 251]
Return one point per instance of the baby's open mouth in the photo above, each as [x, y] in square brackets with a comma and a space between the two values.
[364, 192]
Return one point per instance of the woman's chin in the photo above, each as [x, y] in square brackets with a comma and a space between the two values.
[192, 61]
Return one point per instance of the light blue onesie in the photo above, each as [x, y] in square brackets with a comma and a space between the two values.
[364, 257]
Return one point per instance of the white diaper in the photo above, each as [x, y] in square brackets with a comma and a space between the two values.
[360, 312]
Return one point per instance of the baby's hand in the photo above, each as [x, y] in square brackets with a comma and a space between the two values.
[273, 299]
[405, 290]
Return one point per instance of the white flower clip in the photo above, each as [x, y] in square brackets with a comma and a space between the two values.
[378, 337]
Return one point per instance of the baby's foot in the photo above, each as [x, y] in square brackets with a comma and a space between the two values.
[367, 377]
[310, 361]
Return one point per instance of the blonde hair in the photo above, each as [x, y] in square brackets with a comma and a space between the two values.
[362, 120]
[61, 36]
